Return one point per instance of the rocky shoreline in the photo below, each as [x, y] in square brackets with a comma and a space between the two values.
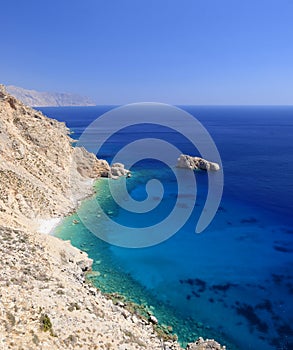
[45, 301]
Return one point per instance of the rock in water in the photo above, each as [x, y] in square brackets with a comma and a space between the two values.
[207, 344]
[194, 163]
[117, 170]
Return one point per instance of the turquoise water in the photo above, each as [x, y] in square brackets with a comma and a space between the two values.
[237, 270]
[109, 274]
[233, 282]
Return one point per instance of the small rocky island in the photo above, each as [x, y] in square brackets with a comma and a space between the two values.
[196, 163]
[45, 300]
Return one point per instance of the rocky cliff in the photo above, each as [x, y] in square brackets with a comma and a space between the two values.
[41, 99]
[37, 165]
[45, 302]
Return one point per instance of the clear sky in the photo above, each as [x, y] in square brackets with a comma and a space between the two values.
[172, 51]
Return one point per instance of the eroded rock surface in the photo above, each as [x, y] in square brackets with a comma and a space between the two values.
[117, 170]
[194, 163]
[41, 174]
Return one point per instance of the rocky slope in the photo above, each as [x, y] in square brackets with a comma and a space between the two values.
[41, 99]
[45, 302]
[37, 165]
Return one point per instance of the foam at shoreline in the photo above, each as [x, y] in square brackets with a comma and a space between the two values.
[47, 226]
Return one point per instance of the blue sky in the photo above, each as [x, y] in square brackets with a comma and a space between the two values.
[172, 51]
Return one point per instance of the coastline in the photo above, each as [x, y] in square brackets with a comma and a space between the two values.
[125, 291]
[46, 301]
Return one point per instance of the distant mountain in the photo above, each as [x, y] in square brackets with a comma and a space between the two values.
[34, 98]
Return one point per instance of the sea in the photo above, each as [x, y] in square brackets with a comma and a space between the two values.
[232, 282]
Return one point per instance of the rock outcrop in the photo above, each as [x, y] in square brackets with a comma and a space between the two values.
[195, 163]
[117, 170]
[45, 302]
[41, 174]
[208, 344]
[53, 99]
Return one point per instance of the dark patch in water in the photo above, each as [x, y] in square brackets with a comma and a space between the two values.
[250, 220]
[287, 231]
[188, 297]
[248, 312]
[265, 305]
[222, 209]
[283, 344]
[223, 287]
[211, 300]
[277, 278]
[276, 318]
[285, 330]
[282, 249]
[195, 294]
[195, 282]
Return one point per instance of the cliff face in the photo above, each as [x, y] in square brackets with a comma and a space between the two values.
[41, 99]
[36, 158]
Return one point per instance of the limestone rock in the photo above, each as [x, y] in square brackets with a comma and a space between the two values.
[117, 170]
[88, 165]
[41, 174]
[194, 163]
[153, 319]
[207, 344]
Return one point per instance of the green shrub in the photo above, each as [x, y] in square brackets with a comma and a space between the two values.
[46, 324]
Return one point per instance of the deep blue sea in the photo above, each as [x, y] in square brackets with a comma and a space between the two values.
[234, 281]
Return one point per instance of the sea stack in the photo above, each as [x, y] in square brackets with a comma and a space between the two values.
[196, 163]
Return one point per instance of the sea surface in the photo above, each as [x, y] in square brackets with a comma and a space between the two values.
[232, 282]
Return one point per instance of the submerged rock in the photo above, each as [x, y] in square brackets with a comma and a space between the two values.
[194, 163]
